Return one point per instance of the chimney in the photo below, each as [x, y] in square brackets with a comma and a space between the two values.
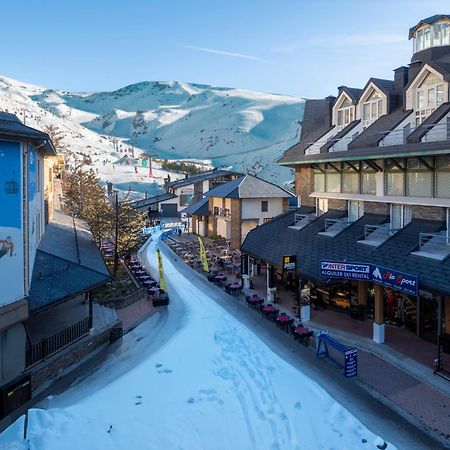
[400, 78]
[414, 69]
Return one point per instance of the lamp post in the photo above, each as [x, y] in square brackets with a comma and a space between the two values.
[116, 232]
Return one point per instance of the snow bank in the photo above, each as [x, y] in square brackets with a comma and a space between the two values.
[209, 384]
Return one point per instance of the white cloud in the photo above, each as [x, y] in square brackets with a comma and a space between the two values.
[224, 53]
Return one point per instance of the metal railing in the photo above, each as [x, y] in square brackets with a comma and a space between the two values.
[370, 229]
[298, 218]
[439, 239]
[341, 223]
[53, 344]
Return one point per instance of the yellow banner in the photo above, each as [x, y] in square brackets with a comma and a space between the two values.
[203, 255]
[162, 280]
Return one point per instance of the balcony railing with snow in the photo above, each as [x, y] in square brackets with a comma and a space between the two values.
[377, 234]
[301, 220]
[334, 226]
[434, 245]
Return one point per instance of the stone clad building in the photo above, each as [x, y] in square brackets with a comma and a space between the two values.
[372, 173]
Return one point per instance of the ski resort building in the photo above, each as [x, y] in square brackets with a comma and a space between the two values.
[48, 265]
[183, 192]
[372, 171]
[232, 209]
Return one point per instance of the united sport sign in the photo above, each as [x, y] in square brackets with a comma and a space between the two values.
[371, 272]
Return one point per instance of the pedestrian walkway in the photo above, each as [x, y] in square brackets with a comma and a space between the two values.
[132, 315]
[399, 375]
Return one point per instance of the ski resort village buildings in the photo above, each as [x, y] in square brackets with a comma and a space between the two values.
[183, 192]
[372, 172]
[48, 265]
[232, 209]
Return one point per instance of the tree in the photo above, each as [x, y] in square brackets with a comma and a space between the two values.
[112, 219]
[57, 137]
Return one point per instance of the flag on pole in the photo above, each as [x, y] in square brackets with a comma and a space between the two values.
[162, 280]
[203, 255]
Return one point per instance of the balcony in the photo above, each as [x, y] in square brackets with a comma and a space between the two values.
[302, 220]
[434, 245]
[334, 226]
[223, 212]
[375, 235]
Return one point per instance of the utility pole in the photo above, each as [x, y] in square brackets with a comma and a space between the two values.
[116, 252]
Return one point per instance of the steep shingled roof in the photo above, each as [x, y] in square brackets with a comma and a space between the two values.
[248, 186]
[11, 126]
[199, 208]
[374, 133]
[428, 21]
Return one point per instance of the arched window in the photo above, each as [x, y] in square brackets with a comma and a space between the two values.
[372, 108]
[429, 96]
[345, 114]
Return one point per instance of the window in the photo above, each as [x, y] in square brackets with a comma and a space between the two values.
[419, 179]
[185, 199]
[333, 182]
[350, 179]
[264, 206]
[319, 181]
[355, 210]
[372, 108]
[400, 216]
[394, 178]
[442, 181]
[345, 114]
[429, 96]
[368, 181]
[267, 219]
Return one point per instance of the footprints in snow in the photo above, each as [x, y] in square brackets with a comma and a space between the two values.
[209, 395]
[158, 366]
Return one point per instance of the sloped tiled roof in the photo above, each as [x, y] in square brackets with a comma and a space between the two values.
[374, 133]
[152, 200]
[248, 186]
[354, 93]
[431, 120]
[199, 208]
[211, 174]
[427, 21]
[67, 263]
[275, 239]
[339, 136]
[11, 126]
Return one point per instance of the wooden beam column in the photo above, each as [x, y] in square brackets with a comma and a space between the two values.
[378, 325]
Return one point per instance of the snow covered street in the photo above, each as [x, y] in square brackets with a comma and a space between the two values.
[192, 377]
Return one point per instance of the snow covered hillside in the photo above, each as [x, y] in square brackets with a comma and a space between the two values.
[224, 126]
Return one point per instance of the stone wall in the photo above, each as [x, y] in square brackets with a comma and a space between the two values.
[46, 373]
[376, 208]
[304, 185]
[236, 223]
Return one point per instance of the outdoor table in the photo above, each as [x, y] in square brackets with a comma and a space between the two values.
[220, 277]
[144, 277]
[301, 330]
[153, 290]
[283, 318]
[269, 310]
[140, 272]
[234, 288]
[255, 301]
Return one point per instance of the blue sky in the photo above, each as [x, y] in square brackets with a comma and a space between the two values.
[298, 47]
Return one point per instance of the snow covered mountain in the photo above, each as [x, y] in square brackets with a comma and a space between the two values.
[227, 127]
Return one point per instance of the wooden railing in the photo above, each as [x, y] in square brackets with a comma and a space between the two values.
[53, 344]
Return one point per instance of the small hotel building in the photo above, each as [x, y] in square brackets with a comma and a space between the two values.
[372, 173]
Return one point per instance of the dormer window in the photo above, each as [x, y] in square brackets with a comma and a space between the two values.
[345, 114]
[434, 35]
[372, 108]
[429, 96]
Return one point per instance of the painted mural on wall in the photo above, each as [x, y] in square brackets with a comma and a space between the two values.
[11, 244]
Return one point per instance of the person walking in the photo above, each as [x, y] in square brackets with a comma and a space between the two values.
[391, 301]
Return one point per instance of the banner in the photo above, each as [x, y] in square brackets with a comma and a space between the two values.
[203, 255]
[162, 279]
[11, 237]
[371, 272]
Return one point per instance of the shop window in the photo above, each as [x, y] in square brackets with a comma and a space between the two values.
[419, 179]
[442, 181]
[350, 180]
